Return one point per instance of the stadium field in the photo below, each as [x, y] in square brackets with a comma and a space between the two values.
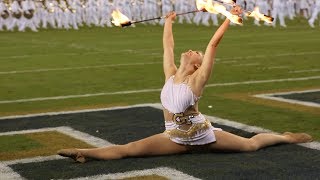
[59, 70]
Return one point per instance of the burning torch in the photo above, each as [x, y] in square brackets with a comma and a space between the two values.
[211, 6]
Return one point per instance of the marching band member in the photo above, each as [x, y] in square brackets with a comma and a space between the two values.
[4, 15]
[105, 13]
[72, 14]
[137, 9]
[91, 13]
[250, 5]
[80, 12]
[315, 13]
[28, 8]
[263, 8]
[16, 15]
[165, 9]
[150, 10]
[65, 14]
[290, 8]
[304, 8]
[183, 6]
[49, 15]
[278, 12]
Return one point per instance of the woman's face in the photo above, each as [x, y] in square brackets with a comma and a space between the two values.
[193, 58]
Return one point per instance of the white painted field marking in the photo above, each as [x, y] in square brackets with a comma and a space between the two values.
[281, 41]
[248, 64]
[44, 55]
[262, 81]
[152, 90]
[305, 70]
[7, 173]
[80, 111]
[166, 172]
[278, 67]
[89, 139]
[274, 55]
[77, 68]
[282, 99]
[219, 60]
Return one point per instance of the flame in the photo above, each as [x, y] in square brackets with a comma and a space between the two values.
[119, 19]
[228, 1]
[201, 5]
[210, 7]
[258, 16]
[222, 10]
[217, 8]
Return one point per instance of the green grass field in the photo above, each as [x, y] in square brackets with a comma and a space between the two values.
[54, 63]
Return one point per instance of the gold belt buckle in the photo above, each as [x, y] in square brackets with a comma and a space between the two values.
[180, 118]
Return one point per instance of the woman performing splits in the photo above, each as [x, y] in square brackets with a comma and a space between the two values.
[186, 128]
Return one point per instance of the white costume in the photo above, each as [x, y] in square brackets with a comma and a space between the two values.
[105, 13]
[304, 8]
[315, 13]
[290, 9]
[73, 14]
[263, 8]
[3, 10]
[91, 13]
[27, 6]
[13, 21]
[183, 6]
[150, 10]
[137, 8]
[49, 15]
[166, 8]
[278, 12]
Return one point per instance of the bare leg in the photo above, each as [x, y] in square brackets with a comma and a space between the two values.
[230, 142]
[158, 144]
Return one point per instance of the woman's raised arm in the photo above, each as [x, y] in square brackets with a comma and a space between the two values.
[208, 59]
[169, 66]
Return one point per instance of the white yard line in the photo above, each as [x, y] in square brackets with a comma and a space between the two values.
[305, 70]
[274, 55]
[248, 64]
[272, 97]
[165, 172]
[152, 90]
[219, 60]
[278, 67]
[77, 68]
[281, 41]
[79, 111]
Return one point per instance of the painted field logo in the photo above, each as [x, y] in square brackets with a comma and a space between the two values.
[28, 146]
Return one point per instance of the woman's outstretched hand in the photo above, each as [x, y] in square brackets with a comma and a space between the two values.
[171, 15]
[237, 10]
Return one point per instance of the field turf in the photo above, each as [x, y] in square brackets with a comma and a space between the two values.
[108, 65]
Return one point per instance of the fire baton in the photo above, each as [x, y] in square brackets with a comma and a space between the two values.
[128, 23]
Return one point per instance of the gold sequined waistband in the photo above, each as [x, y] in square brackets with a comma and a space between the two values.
[184, 131]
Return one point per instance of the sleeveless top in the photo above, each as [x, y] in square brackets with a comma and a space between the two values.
[176, 98]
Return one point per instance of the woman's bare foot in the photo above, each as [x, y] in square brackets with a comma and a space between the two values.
[298, 137]
[73, 154]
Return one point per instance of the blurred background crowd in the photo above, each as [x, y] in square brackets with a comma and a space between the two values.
[71, 14]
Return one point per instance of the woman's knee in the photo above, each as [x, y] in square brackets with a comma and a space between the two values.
[132, 149]
[251, 145]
